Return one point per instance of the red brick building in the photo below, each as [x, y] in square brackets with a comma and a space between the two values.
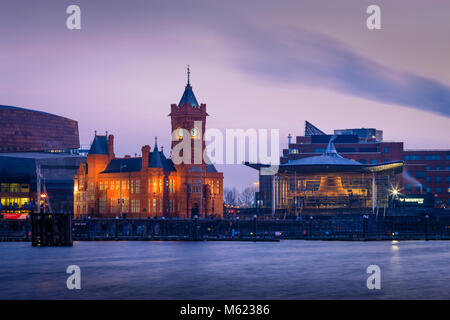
[152, 185]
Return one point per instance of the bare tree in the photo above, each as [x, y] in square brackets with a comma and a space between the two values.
[247, 197]
[230, 196]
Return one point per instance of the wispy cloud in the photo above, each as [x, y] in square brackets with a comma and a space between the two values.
[317, 60]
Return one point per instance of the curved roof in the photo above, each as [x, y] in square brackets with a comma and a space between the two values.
[323, 160]
[32, 130]
[331, 161]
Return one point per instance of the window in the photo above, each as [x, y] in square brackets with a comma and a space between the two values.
[428, 179]
[408, 187]
[434, 157]
[437, 168]
[100, 185]
[411, 157]
[373, 161]
[420, 174]
[154, 205]
[362, 161]
[447, 179]
[135, 206]
[160, 205]
[447, 157]
[438, 190]
[386, 149]
[138, 186]
[438, 179]
[102, 205]
[154, 186]
[447, 168]
[138, 206]
[448, 191]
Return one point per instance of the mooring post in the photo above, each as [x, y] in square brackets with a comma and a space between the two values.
[33, 229]
[43, 229]
[196, 226]
[54, 233]
[365, 225]
[427, 218]
[310, 227]
[254, 227]
[116, 236]
[27, 228]
[68, 241]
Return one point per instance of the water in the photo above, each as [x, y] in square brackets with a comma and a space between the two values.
[227, 270]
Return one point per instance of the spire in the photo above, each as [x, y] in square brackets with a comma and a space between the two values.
[188, 95]
[156, 161]
[189, 75]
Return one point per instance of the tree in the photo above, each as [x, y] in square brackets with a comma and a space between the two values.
[230, 196]
[247, 197]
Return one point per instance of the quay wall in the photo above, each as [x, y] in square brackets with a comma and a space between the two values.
[343, 227]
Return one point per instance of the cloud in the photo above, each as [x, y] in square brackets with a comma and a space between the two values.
[316, 60]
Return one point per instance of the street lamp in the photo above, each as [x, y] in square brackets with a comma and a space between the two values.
[120, 177]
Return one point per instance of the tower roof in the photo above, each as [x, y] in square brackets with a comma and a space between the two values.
[188, 95]
[99, 145]
[156, 161]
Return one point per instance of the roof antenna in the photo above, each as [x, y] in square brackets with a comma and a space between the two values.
[106, 133]
[95, 132]
[156, 143]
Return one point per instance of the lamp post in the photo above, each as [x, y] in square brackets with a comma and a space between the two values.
[120, 178]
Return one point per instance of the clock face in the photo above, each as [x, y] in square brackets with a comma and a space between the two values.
[194, 132]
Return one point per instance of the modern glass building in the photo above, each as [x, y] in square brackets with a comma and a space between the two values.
[328, 181]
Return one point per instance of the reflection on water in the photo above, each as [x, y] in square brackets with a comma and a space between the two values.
[227, 270]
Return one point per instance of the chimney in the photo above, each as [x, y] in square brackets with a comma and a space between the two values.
[145, 151]
[111, 147]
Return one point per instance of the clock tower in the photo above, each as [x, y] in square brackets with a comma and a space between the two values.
[188, 119]
[196, 178]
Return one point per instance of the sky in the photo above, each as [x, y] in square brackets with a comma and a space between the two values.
[255, 63]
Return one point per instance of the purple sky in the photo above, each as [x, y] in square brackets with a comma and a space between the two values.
[255, 63]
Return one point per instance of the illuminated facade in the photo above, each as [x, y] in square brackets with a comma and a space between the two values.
[425, 171]
[330, 181]
[151, 185]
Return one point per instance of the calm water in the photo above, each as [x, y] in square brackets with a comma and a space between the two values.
[227, 270]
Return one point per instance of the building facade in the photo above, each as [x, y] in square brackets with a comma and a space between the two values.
[21, 189]
[38, 159]
[25, 130]
[152, 185]
[330, 181]
[425, 171]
